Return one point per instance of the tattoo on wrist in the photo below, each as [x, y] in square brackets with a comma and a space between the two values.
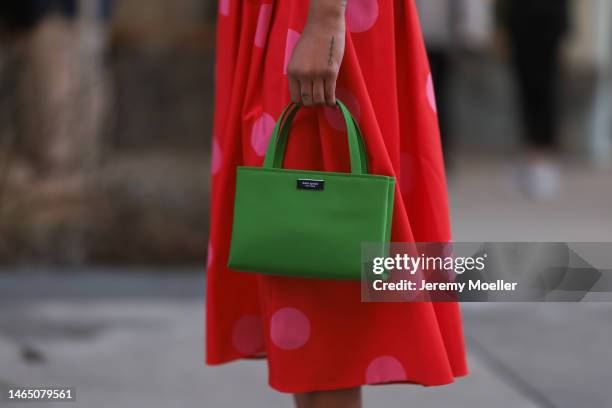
[343, 3]
[330, 60]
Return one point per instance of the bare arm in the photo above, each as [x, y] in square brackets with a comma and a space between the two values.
[315, 62]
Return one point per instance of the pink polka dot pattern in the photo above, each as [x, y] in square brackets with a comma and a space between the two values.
[224, 7]
[292, 39]
[407, 173]
[289, 328]
[431, 93]
[334, 116]
[385, 369]
[209, 255]
[247, 336]
[215, 159]
[361, 15]
[263, 22]
[261, 132]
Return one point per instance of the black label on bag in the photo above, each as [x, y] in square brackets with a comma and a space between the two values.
[309, 184]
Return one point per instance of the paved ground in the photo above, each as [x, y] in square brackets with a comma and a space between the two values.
[147, 351]
[135, 339]
[485, 206]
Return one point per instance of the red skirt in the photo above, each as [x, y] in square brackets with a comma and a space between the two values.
[316, 334]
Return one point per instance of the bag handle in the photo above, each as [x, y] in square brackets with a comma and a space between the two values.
[275, 154]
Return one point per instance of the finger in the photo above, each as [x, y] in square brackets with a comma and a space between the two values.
[306, 92]
[318, 92]
[294, 90]
[330, 91]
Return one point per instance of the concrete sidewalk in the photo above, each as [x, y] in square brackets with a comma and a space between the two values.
[148, 351]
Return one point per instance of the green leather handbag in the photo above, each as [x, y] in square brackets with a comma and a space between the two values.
[308, 224]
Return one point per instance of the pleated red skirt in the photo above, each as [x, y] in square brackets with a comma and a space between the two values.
[316, 334]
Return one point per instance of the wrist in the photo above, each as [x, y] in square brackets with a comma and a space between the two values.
[325, 25]
[328, 15]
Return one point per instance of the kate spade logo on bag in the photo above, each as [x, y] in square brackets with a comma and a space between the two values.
[309, 184]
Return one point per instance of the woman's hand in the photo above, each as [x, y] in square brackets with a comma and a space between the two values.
[315, 62]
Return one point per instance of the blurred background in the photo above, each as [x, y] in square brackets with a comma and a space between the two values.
[105, 131]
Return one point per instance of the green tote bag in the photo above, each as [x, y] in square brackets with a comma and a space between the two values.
[308, 224]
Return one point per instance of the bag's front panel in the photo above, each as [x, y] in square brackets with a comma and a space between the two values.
[313, 221]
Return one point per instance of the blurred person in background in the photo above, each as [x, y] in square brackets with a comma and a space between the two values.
[535, 31]
[55, 89]
[44, 37]
[59, 82]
